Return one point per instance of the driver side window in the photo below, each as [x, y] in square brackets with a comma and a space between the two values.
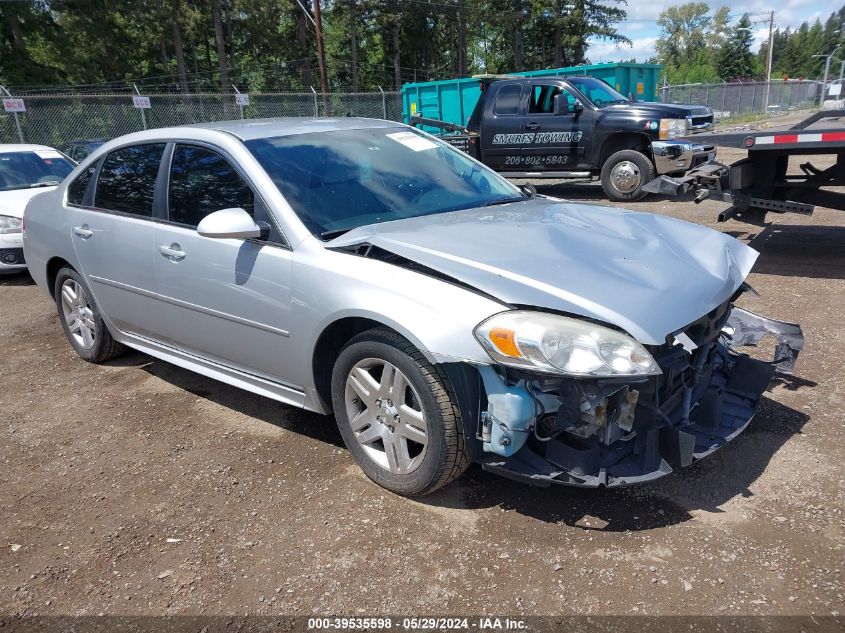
[543, 98]
[202, 182]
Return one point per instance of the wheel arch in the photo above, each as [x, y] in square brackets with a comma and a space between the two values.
[331, 341]
[54, 265]
[636, 141]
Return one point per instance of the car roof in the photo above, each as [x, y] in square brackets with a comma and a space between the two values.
[8, 148]
[85, 141]
[248, 129]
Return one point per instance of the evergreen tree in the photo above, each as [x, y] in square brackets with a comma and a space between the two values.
[736, 61]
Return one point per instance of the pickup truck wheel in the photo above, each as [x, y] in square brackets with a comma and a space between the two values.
[397, 414]
[624, 174]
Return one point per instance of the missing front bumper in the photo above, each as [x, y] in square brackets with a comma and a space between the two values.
[719, 400]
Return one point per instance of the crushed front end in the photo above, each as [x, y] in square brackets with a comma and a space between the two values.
[619, 431]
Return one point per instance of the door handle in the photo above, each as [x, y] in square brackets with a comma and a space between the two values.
[533, 127]
[172, 252]
[83, 231]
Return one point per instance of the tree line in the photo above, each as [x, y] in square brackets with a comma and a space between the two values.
[211, 45]
[697, 45]
[194, 45]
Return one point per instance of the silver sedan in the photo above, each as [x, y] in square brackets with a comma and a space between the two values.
[443, 315]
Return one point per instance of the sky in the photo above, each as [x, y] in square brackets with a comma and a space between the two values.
[641, 27]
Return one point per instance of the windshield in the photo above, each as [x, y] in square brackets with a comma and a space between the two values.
[38, 168]
[597, 91]
[343, 179]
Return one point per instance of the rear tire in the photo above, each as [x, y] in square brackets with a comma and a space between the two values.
[81, 319]
[624, 174]
[397, 414]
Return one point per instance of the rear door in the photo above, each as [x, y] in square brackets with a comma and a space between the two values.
[560, 140]
[503, 132]
[113, 231]
[226, 300]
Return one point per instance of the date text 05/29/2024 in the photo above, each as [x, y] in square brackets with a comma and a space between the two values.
[418, 624]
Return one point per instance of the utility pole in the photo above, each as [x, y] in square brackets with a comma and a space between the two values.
[321, 57]
[769, 59]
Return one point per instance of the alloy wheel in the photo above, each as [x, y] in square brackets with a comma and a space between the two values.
[386, 416]
[78, 314]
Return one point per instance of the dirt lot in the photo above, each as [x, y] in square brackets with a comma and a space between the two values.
[140, 488]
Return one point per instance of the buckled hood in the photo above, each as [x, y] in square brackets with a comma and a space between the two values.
[647, 274]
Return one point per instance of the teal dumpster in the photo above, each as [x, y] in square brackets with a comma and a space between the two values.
[453, 100]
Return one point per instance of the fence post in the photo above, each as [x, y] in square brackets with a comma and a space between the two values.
[141, 110]
[707, 95]
[316, 105]
[237, 92]
[17, 120]
[383, 102]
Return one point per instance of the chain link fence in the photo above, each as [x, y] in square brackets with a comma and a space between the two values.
[729, 100]
[57, 119]
[54, 119]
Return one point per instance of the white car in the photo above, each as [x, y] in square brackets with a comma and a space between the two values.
[25, 170]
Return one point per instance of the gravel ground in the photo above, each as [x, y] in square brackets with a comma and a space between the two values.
[140, 488]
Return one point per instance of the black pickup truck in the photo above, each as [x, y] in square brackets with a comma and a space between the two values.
[578, 127]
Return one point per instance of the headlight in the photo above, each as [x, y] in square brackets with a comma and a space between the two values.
[8, 224]
[561, 345]
[672, 128]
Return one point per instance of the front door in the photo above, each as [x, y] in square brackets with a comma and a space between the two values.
[227, 300]
[560, 140]
[112, 233]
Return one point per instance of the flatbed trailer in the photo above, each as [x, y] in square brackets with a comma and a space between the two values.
[760, 183]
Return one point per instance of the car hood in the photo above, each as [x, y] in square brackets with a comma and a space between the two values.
[647, 274]
[14, 201]
[665, 110]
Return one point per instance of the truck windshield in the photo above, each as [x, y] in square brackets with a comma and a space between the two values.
[342, 179]
[597, 91]
[38, 168]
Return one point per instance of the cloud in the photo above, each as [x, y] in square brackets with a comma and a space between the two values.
[789, 13]
[641, 49]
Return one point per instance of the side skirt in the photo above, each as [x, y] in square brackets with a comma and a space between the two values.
[225, 374]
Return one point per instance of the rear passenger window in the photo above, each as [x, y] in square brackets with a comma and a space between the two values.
[507, 100]
[127, 179]
[76, 190]
[202, 182]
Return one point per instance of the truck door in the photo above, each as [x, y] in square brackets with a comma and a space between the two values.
[503, 133]
[561, 140]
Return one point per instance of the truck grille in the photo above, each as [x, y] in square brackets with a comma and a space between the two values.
[699, 122]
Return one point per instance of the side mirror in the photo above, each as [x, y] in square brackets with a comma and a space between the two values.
[578, 108]
[561, 105]
[229, 223]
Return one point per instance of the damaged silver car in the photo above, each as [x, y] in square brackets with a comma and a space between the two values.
[442, 314]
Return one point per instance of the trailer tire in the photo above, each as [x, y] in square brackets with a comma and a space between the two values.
[624, 174]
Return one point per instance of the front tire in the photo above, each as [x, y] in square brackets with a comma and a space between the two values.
[624, 174]
[81, 319]
[397, 414]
